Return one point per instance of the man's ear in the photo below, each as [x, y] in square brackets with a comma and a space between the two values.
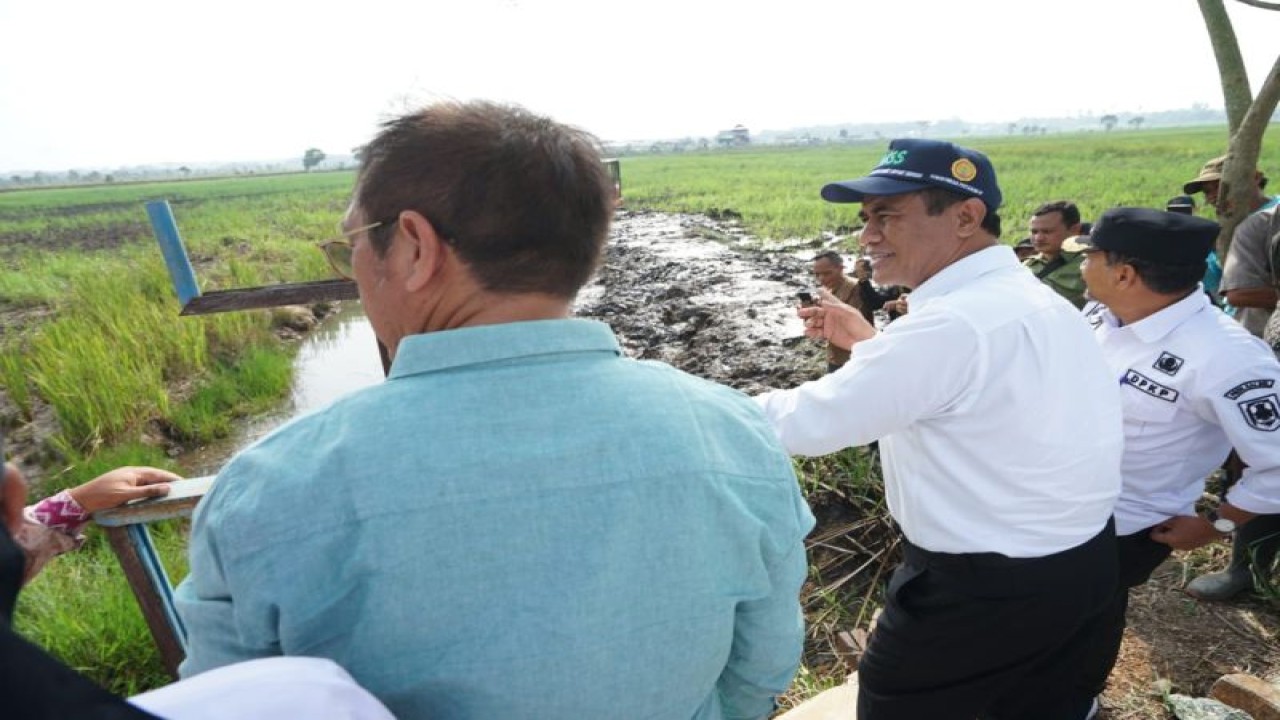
[969, 217]
[427, 249]
[1125, 275]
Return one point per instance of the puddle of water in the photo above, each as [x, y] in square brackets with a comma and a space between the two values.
[339, 356]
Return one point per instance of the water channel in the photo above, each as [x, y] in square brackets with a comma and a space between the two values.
[338, 356]
[713, 308]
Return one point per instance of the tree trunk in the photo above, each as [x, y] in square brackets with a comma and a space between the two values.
[1247, 118]
[1246, 145]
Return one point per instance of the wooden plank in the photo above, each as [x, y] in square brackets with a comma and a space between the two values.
[181, 500]
[150, 601]
[271, 296]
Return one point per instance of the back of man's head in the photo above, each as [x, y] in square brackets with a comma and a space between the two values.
[525, 201]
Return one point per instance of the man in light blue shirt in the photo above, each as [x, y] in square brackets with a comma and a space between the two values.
[520, 522]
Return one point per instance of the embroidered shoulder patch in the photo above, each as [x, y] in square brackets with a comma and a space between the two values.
[1168, 363]
[1149, 386]
[1246, 386]
[1262, 413]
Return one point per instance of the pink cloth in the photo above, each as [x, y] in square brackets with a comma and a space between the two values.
[51, 527]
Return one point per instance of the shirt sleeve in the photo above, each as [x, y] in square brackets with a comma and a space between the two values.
[207, 604]
[1246, 265]
[1247, 408]
[50, 528]
[768, 636]
[893, 380]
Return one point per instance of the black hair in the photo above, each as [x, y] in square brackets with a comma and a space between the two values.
[936, 200]
[525, 201]
[1163, 278]
[1070, 213]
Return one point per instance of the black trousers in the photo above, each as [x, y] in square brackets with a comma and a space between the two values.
[1138, 556]
[983, 635]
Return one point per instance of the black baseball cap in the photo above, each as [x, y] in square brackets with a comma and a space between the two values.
[1184, 204]
[1146, 234]
[915, 164]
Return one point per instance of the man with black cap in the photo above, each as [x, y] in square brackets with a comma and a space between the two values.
[1193, 383]
[1024, 249]
[1186, 205]
[1009, 548]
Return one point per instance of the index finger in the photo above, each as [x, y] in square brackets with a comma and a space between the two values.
[153, 476]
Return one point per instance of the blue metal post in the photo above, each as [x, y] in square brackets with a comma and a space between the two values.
[141, 541]
[175, 254]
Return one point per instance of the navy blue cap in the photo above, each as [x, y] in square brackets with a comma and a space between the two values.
[1155, 235]
[914, 164]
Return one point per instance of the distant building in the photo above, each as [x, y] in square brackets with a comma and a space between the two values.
[736, 137]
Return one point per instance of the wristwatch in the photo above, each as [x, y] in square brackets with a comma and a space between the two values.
[1221, 524]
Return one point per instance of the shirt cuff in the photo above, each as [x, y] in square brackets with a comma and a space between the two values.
[60, 512]
[1243, 496]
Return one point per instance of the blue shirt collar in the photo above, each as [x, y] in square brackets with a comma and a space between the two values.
[431, 352]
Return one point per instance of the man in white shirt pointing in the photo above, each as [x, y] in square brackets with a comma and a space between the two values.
[977, 398]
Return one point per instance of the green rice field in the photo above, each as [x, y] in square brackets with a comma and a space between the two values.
[95, 359]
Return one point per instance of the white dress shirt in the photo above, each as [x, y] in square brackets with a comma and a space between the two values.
[266, 689]
[998, 421]
[1194, 384]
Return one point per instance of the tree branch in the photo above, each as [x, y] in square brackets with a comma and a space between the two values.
[1236, 94]
[1261, 4]
[1238, 181]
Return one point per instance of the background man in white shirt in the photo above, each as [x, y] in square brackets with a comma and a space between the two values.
[1009, 547]
[1193, 383]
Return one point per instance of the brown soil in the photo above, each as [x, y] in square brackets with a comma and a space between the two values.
[101, 237]
[1178, 644]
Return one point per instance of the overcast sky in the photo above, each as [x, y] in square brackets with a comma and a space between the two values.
[109, 83]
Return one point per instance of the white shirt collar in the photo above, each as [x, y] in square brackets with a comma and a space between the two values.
[963, 271]
[1159, 324]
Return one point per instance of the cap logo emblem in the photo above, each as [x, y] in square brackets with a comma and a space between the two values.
[964, 170]
[894, 157]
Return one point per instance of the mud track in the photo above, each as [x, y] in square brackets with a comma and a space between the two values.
[700, 295]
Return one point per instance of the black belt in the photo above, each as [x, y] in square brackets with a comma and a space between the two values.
[984, 568]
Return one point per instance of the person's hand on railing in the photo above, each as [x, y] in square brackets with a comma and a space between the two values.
[121, 485]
